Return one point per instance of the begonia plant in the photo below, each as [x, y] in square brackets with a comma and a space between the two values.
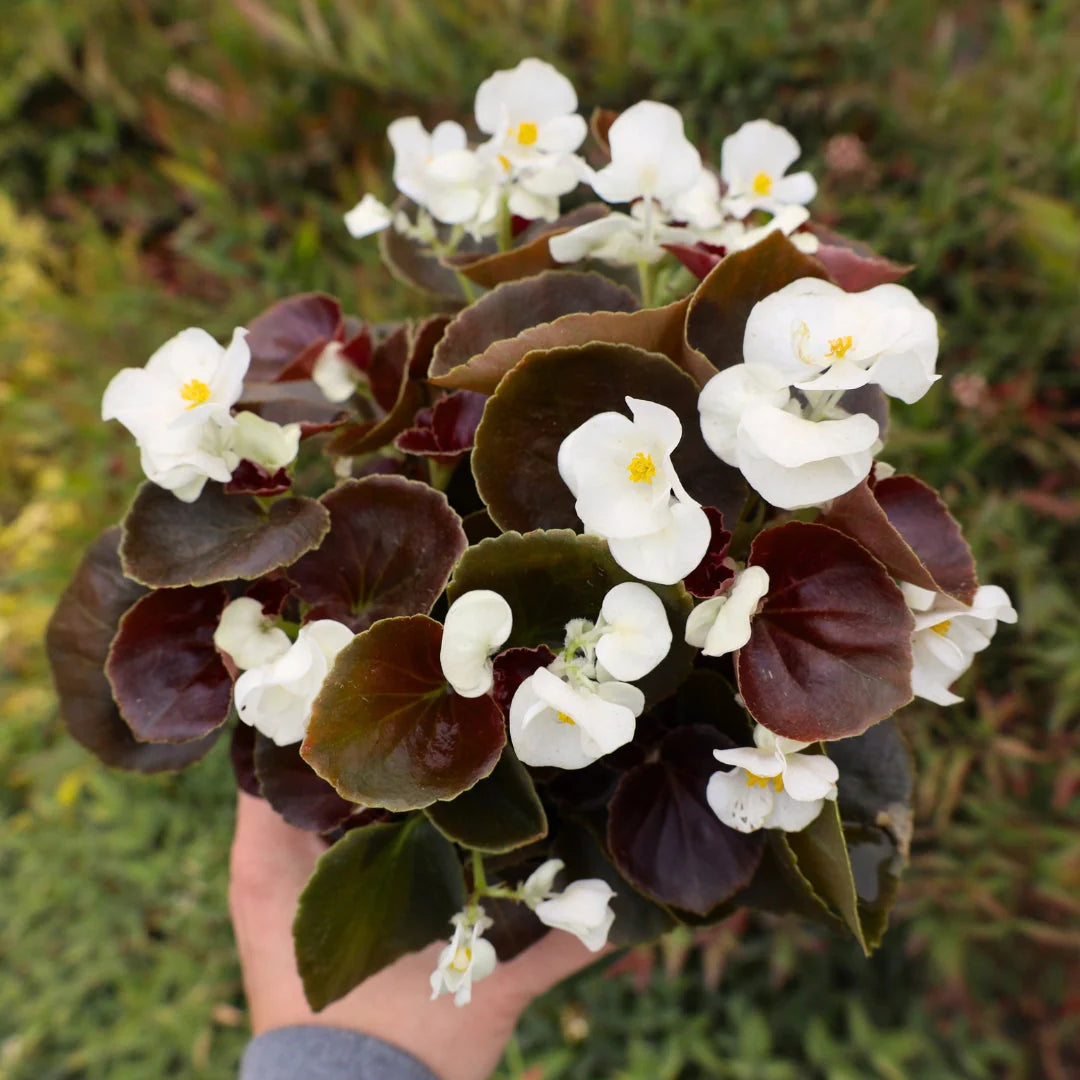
[585, 603]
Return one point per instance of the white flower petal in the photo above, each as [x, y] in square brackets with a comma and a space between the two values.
[539, 884]
[273, 446]
[790, 814]
[533, 92]
[724, 624]
[739, 803]
[668, 554]
[727, 395]
[808, 777]
[582, 909]
[368, 216]
[636, 634]
[476, 625]
[248, 636]
[752, 759]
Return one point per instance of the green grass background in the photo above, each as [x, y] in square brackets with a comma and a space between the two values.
[166, 163]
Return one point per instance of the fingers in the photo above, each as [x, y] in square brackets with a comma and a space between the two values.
[554, 957]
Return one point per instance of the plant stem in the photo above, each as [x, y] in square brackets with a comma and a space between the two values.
[480, 885]
[646, 273]
[504, 224]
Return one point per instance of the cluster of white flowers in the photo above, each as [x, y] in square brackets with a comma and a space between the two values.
[179, 408]
[583, 909]
[530, 160]
[778, 416]
[281, 678]
[582, 705]
[627, 491]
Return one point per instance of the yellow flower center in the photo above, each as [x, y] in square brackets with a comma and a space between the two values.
[753, 780]
[762, 184]
[641, 468]
[564, 719]
[526, 133]
[504, 161]
[942, 628]
[195, 392]
[838, 346]
[462, 959]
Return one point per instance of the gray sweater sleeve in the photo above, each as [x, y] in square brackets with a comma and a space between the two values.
[309, 1052]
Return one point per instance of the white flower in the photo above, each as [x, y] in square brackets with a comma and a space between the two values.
[475, 627]
[721, 624]
[334, 375]
[273, 446]
[554, 723]
[824, 339]
[178, 408]
[540, 883]
[753, 162]
[618, 239]
[773, 785]
[248, 636]
[368, 216]
[583, 909]
[700, 206]
[467, 959]
[276, 697]
[948, 634]
[672, 551]
[530, 110]
[620, 470]
[634, 632]
[651, 157]
[750, 420]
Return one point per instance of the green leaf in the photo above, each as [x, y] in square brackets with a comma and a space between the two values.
[500, 813]
[77, 642]
[517, 443]
[380, 892]
[550, 577]
[821, 856]
[168, 543]
[386, 730]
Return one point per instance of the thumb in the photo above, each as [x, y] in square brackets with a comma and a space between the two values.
[555, 957]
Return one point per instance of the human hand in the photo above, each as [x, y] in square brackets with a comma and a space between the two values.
[271, 863]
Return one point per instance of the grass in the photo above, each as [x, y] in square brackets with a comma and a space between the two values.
[170, 164]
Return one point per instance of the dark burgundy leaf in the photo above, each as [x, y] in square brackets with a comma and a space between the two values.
[698, 258]
[387, 731]
[390, 549]
[242, 757]
[854, 266]
[168, 543]
[520, 305]
[917, 513]
[445, 431]
[168, 680]
[295, 791]
[830, 651]
[512, 667]
[712, 573]
[516, 927]
[251, 479]
[664, 837]
[77, 642]
[279, 336]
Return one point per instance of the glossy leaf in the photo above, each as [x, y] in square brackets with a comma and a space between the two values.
[530, 253]
[168, 680]
[721, 305]
[713, 573]
[242, 759]
[282, 334]
[549, 578]
[386, 730]
[519, 305]
[663, 835]
[445, 431]
[294, 790]
[830, 650]
[390, 549]
[517, 443]
[77, 643]
[500, 813]
[168, 543]
[380, 892]
[658, 330]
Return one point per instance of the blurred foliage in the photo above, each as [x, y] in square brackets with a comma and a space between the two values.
[173, 162]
